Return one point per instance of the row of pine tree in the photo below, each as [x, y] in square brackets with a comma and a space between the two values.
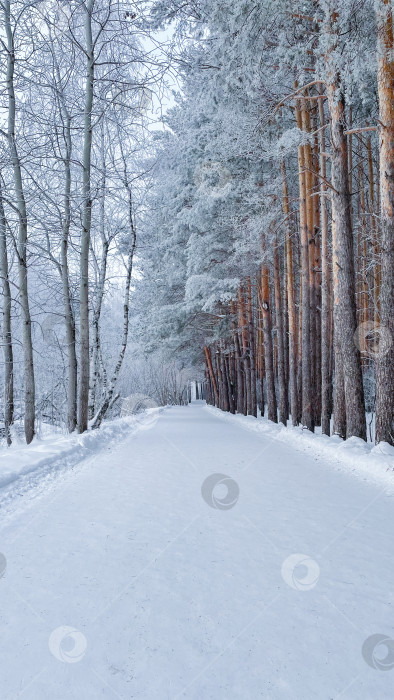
[273, 212]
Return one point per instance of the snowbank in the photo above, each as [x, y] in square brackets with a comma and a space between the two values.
[50, 452]
[368, 461]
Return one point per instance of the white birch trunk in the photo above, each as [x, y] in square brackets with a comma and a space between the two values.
[29, 418]
[83, 398]
[6, 329]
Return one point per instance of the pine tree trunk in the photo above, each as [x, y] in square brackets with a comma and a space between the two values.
[219, 376]
[209, 389]
[317, 277]
[260, 348]
[207, 352]
[310, 224]
[238, 363]
[299, 331]
[362, 258]
[385, 360]
[230, 384]
[375, 236]
[325, 289]
[224, 379]
[252, 356]
[339, 417]
[268, 348]
[245, 351]
[282, 387]
[345, 303]
[290, 304]
[307, 413]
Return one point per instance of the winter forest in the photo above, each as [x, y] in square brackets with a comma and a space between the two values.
[198, 185]
[197, 232]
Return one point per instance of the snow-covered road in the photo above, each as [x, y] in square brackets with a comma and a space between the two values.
[135, 576]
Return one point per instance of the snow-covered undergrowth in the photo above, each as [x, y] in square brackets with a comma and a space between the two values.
[24, 465]
[368, 461]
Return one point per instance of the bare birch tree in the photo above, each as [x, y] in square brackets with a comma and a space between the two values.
[29, 418]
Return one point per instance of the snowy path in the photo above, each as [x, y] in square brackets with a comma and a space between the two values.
[171, 598]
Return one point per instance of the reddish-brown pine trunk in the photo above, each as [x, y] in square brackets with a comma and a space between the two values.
[307, 414]
[317, 277]
[385, 360]
[282, 386]
[207, 352]
[310, 225]
[374, 235]
[268, 346]
[326, 383]
[224, 379]
[237, 358]
[291, 307]
[345, 302]
[245, 351]
[230, 383]
[339, 417]
[252, 356]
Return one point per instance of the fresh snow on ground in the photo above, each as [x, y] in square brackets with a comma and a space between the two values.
[27, 467]
[365, 460]
[130, 575]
